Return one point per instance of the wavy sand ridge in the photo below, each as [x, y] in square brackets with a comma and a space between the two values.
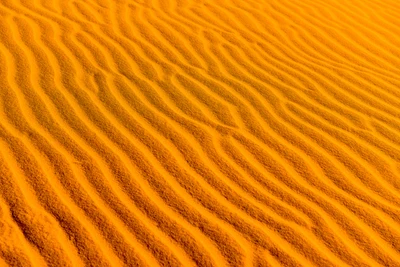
[199, 133]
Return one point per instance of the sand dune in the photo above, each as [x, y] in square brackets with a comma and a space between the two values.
[199, 133]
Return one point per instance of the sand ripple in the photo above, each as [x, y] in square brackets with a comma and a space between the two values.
[199, 133]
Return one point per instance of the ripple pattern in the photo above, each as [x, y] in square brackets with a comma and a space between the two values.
[199, 133]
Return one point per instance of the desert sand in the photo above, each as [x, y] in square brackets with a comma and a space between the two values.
[199, 133]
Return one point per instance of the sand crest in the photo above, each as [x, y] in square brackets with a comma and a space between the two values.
[199, 133]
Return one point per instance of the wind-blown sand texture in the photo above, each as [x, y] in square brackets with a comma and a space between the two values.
[199, 133]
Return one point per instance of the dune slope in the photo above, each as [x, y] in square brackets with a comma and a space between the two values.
[199, 133]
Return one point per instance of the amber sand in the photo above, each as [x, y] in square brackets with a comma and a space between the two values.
[199, 133]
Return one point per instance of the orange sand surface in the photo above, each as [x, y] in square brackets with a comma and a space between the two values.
[199, 133]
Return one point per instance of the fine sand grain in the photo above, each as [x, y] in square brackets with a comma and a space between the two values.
[199, 133]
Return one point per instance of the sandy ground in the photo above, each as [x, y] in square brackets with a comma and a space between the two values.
[199, 133]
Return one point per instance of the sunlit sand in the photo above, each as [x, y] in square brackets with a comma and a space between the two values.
[199, 133]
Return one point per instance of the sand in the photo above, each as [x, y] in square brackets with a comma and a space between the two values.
[199, 133]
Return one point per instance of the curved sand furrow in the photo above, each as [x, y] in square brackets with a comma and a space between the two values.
[314, 212]
[178, 133]
[77, 190]
[325, 205]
